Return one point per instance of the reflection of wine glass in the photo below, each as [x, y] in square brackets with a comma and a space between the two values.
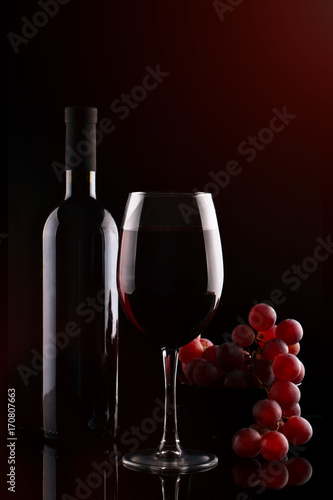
[170, 277]
[170, 486]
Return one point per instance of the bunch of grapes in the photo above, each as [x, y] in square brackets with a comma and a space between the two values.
[264, 355]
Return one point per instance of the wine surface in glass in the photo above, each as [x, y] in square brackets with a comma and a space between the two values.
[170, 281]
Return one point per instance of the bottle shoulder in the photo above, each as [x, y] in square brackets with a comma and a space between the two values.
[86, 213]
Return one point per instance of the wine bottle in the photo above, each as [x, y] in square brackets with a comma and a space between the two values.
[80, 300]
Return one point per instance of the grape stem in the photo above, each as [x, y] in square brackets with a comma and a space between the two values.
[278, 425]
[258, 349]
[262, 385]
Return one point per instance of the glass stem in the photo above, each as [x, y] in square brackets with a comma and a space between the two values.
[170, 445]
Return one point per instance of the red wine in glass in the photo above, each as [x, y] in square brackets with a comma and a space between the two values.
[175, 291]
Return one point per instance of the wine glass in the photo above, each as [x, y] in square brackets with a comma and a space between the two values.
[170, 278]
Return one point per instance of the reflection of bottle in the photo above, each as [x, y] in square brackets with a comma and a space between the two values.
[80, 301]
[49, 473]
[80, 473]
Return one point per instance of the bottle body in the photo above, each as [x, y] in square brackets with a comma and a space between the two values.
[80, 322]
[80, 318]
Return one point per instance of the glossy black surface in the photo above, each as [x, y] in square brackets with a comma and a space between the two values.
[96, 472]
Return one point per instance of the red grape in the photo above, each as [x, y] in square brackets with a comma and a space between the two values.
[267, 412]
[292, 412]
[243, 335]
[300, 376]
[274, 446]
[191, 351]
[262, 317]
[235, 379]
[294, 348]
[273, 475]
[206, 343]
[286, 366]
[297, 430]
[290, 331]
[210, 354]
[286, 394]
[300, 471]
[230, 356]
[262, 337]
[189, 370]
[206, 373]
[262, 370]
[245, 443]
[273, 347]
[259, 428]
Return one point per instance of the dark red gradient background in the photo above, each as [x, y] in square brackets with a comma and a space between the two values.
[225, 79]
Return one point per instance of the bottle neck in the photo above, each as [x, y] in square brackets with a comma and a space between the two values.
[80, 160]
[80, 184]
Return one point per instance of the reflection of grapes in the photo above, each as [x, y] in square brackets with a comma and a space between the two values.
[251, 472]
[273, 475]
[245, 473]
[300, 471]
[265, 356]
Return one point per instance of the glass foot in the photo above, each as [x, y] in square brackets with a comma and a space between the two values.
[152, 461]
